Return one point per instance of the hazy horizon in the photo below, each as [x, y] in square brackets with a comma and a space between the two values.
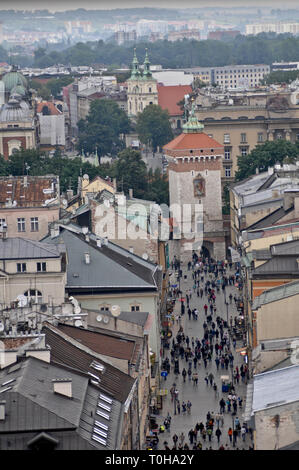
[56, 5]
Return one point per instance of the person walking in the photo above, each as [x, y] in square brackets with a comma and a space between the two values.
[210, 433]
[178, 406]
[184, 373]
[230, 434]
[243, 433]
[189, 405]
[217, 361]
[218, 434]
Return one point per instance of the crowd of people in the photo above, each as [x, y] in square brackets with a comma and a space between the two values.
[192, 357]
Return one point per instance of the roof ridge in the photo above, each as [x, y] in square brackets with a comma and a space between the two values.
[40, 245]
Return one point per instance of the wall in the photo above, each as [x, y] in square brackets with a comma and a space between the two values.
[278, 319]
[270, 437]
[52, 129]
[148, 303]
[139, 95]
[45, 215]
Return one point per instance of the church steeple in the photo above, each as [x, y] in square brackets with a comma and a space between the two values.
[146, 67]
[135, 73]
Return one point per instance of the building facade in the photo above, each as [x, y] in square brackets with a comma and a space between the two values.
[142, 88]
[194, 174]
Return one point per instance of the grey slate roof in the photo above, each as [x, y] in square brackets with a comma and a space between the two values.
[276, 293]
[108, 269]
[139, 318]
[286, 248]
[271, 218]
[278, 265]
[275, 388]
[31, 405]
[21, 248]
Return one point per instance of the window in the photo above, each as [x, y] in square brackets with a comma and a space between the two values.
[227, 172]
[260, 137]
[226, 138]
[243, 137]
[21, 224]
[41, 267]
[34, 224]
[226, 154]
[243, 151]
[135, 307]
[34, 296]
[2, 222]
[21, 267]
[104, 307]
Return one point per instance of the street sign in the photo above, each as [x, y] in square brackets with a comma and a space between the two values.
[164, 373]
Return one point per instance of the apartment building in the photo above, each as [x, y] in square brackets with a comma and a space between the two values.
[279, 27]
[241, 121]
[232, 76]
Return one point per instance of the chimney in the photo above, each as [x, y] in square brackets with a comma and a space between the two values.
[114, 184]
[87, 258]
[54, 231]
[2, 410]
[257, 171]
[130, 193]
[25, 181]
[69, 194]
[63, 387]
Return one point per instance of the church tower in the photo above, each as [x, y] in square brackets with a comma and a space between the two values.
[142, 88]
[194, 173]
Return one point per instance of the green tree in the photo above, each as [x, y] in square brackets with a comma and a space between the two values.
[266, 155]
[55, 85]
[130, 172]
[157, 185]
[102, 128]
[153, 126]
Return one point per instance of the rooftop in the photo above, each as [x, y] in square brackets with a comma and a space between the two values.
[274, 388]
[28, 191]
[21, 248]
[169, 96]
[276, 293]
[194, 141]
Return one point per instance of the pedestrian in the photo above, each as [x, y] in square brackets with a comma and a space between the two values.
[209, 433]
[243, 432]
[218, 434]
[215, 390]
[222, 406]
[195, 378]
[184, 407]
[178, 405]
[189, 404]
[191, 436]
[166, 447]
[230, 434]
[184, 373]
[189, 373]
[207, 379]
[211, 378]
[235, 436]
[217, 361]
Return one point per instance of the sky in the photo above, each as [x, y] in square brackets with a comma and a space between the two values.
[56, 5]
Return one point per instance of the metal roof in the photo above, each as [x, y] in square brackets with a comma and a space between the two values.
[275, 294]
[286, 265]
[21, 248]
[275, 388]
[108, 269]
[286, 248]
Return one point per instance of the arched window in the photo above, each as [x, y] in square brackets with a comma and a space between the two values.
[34, 296]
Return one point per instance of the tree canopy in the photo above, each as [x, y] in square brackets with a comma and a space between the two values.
[260, 49]
[266, 155]
[102, 128]
[153, 126]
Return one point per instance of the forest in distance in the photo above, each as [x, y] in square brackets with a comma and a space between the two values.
[261, 49]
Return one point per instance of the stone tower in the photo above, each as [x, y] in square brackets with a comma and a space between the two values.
[194, 172]
[142, 88]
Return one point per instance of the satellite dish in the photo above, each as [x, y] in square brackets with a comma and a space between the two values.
[145, 256]
[85, 230]
[43, 308]
[115, 310]
[22, 300]
[78, 323]
[1, 327]
[106, 320]
[99, 318]
[64, 202]
[85, 177]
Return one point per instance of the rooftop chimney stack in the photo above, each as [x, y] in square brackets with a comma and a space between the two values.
[63, 387]
[87, 257]
[2, 410]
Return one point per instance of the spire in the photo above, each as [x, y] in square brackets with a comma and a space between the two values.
[135, 67]
[146, 66]
[193, 125]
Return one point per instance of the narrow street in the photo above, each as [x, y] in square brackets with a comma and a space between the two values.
[203, 397]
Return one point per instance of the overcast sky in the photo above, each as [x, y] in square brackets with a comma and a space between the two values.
[56, 5]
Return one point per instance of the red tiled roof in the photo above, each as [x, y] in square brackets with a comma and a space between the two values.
[35, 193]
[169, 96]
[53, 110]
[198, 140]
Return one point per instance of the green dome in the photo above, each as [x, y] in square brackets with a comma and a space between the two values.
[19, 89]
[14, 79]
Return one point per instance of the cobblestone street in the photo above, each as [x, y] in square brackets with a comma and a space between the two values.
[202, 396]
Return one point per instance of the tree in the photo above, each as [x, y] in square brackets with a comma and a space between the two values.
[130, 172]
[102, 128]
[153, 126]
[266, 155]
